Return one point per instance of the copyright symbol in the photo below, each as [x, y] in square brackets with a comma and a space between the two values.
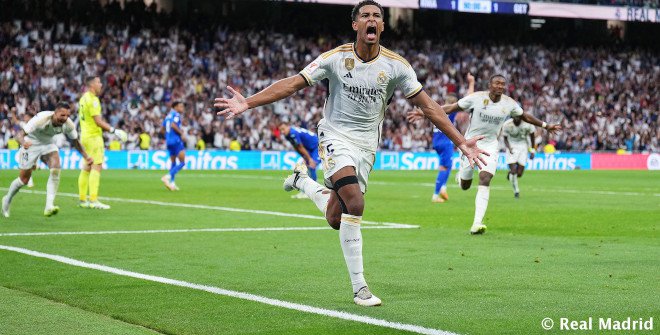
[547, 323]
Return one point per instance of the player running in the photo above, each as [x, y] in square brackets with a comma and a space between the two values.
[92, 126]
[175, 138]
[489, 111]
[36, 140]
[306, 144]
[442, 146]
[515, 134]
[363, 76]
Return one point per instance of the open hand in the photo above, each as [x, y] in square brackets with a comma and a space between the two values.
[233, 106]
[473, 153]
[553, 128]
[414, 115]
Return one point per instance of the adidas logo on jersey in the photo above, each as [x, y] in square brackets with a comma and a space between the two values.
[348, 75]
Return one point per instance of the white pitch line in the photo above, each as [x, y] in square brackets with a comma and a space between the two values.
[234, 294]
[159, 231]
[220, 208]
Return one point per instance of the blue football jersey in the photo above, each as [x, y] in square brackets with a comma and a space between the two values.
[303, 136]
[438, 136]
[173, 117]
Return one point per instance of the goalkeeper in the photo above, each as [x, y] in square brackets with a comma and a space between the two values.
[92, 126]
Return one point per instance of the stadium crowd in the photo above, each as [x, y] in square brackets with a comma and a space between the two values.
[606, 98]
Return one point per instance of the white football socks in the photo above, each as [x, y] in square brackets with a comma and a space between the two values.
[481, 203]
[13, 188]
[350, 237]
[514, 181]
[51, 187]
[316, 192]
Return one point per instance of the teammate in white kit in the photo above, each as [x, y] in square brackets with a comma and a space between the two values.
[363, 76]
[489, 111]
[36, 141]
[516, 133]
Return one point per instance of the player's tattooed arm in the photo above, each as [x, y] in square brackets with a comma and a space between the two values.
[76, 144]
[20, 138]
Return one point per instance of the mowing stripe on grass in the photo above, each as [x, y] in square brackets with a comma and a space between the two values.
[158, 231]
[219, 208]
[453, 185]
[234, 294]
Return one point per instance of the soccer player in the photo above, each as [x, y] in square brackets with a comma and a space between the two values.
[489, 111]
[515, 134]
[36, 140]
[92, 126]
[443, 146]
[175, 138]
[362, 76]
[306, 144]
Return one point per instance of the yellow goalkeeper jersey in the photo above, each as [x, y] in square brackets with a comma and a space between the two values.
[89, 106]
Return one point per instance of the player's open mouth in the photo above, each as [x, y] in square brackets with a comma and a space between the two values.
[371, 32]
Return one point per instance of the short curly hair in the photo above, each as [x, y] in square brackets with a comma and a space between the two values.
[356, 9]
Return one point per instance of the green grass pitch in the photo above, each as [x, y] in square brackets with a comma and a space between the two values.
[576, 244]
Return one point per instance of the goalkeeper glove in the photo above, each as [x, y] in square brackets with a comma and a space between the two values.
[123, 136]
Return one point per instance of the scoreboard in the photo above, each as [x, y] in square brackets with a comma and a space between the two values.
[478, 6]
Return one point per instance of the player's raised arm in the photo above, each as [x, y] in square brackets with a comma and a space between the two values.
[438, 117]
[531, 119]
[237, 104]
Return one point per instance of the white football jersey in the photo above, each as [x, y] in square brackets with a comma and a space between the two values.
[487, 117]
[518, 135]
[359, 91]
[40, 129]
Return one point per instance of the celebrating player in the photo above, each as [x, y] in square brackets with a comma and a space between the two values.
[362, 76]
[175, 138]
[36, 140]
[442, 145]
[306, 144]
[489, 111]
[92, 126]
[515, 134]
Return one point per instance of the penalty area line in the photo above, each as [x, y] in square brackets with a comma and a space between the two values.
[234, 294]
[220, 208]
[161, 231]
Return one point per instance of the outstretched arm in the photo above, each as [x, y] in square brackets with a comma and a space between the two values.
[531, 119]
[237, 104]
[435, 113]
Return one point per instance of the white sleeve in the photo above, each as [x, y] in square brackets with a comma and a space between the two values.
[70, 130]
[467, 102]
[318, 70]
[517, 110]
[408, 82]
[37, 122]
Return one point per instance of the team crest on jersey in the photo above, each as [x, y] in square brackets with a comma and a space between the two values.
[486, 101]
[312, 67]
[382, 77]
[349, 63]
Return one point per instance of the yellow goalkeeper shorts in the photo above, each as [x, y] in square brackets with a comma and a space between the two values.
[95, 148]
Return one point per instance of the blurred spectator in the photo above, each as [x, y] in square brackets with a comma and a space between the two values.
[604, 97]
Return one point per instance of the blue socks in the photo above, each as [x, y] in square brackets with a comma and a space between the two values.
[175, 169]
[441, 180]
